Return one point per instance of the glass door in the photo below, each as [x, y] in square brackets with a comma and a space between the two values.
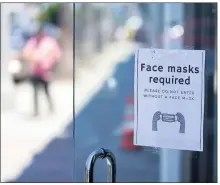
[105, 119]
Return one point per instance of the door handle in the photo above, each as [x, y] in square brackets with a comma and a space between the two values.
[101, 154]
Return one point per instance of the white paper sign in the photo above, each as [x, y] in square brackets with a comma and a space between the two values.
[169, 98]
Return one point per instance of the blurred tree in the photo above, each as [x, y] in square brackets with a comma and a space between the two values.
[50, 13]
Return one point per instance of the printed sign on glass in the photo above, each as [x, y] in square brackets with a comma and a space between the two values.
[169, 98]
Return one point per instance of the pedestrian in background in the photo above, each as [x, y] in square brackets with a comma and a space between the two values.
[43, 52]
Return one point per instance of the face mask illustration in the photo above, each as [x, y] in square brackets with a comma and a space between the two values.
[168, 118]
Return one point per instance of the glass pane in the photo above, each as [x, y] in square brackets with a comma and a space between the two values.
[107, 112]
[36, 92]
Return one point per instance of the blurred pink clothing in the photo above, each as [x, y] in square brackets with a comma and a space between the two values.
[45, 54]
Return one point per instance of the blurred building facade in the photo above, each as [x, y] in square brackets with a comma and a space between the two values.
[95, 27]
[65, 68]
[7, 92]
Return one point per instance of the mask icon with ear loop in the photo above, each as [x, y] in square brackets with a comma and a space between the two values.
[168, 118]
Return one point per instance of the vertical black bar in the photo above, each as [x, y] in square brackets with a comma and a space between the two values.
[215, 137]
[197, 45]
[211, 136]
[202, 162]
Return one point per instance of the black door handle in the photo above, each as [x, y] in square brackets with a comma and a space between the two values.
[103, 154]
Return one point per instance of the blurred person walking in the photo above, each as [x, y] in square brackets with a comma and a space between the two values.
[43, 52]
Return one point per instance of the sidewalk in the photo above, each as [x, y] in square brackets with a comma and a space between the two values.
[22, 138]
[98, 70]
